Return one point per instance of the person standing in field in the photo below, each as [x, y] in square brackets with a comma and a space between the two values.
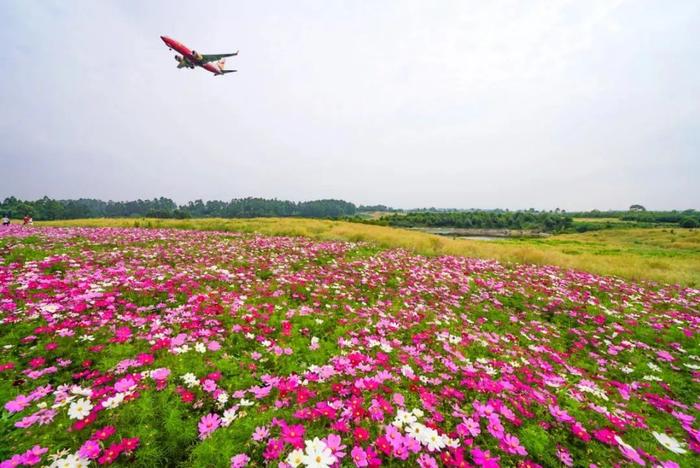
[25, 220]
[5, 221]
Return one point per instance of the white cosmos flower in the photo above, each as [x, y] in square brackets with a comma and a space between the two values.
[417, 431]
[78, 390]
[190, 379]
[670, 443]
[317, 454]
[113, 402]
[404, 417]
[433, 440]
[70, 461]
[295, 458]
[200, 348]
[453, 443]
[229, 415]
[79, 409]
[222, 398]
[245, 402]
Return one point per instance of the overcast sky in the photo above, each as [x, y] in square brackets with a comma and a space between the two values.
[469, 104]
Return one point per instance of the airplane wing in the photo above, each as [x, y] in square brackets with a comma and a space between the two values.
[215, 57]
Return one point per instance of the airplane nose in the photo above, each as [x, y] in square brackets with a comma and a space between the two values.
[164, 39]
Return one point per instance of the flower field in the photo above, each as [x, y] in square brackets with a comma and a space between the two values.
[155, 347]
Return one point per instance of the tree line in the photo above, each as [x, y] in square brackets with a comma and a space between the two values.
[684, 218]
[481, 219]
[49, 209]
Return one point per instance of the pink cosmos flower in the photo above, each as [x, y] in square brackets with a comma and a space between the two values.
[18, 404]
[161, 373]
[104, 433]
[334, 442]
[469, 426]
[213, 346]
[510, 444]
[13, 462]
[261, 433]
[495, 427]
[606, 436]
[208, 424]
[90, 450]
[27, 421]
[361, 434]
[293, 435]
[273, 450]
[240, 460]
[209, 385]
[560, 414]
[130, 444]
[579, 431]
[33, 455]
[632, 454]
[359, 456]
[110, 454]
[426, 461]
[564, 456]
[484, 459]
[124, 384]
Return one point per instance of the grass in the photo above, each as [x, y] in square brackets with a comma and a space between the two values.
[655, 254]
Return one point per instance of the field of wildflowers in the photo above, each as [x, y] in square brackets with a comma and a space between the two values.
[156, 347]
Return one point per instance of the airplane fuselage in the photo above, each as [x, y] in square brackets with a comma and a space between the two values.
[190, 56]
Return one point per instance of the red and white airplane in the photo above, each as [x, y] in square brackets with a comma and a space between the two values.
[190, 58]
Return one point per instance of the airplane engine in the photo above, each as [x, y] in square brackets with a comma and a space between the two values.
[178, 58]
[197, 56]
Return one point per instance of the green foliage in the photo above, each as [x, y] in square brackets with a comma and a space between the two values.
[481, 219]
[689, 222]
[47, 209]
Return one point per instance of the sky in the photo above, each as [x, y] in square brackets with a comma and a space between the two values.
[456, 104]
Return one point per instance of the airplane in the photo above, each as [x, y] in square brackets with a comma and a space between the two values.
[191, 58]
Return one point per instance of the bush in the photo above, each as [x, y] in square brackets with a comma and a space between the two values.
[689, 222]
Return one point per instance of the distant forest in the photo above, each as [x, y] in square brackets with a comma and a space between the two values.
[478, 219]
[547, 221]
[48, 209]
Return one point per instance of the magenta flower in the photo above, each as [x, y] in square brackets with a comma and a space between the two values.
[510, 444]
[273, 450]
[484, 459]
[293, 435]
[104, 433]
[90, 450]
[359, 456]
[33, 455]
